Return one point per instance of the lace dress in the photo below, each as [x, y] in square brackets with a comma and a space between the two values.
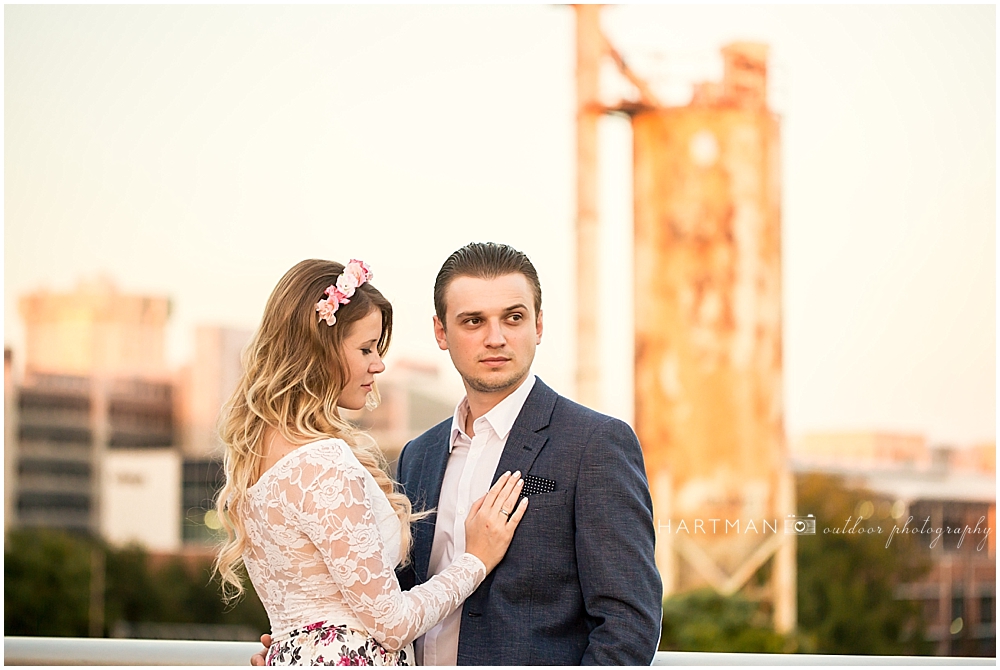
[323, 542]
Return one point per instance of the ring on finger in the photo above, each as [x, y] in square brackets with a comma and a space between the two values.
[505, 513]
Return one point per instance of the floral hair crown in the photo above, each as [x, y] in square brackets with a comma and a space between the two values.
[354, 275]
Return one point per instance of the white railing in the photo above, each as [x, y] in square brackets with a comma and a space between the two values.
[718, 658]
[116, 651]
[113, 651]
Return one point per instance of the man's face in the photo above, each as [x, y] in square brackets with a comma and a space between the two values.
[490, 330]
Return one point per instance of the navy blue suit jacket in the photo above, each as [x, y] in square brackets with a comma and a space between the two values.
[579, 583]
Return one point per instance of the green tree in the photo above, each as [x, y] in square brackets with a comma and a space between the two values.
[847, 581]
[703, 620]
[47, 588]
[133, 593]
[176, 591]
[46, 584]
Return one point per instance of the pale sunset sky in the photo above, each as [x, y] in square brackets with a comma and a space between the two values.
[200, 151]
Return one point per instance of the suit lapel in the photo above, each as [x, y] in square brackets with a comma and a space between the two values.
[431, 477]
[524, 442]
[520, 452]
[522, 448]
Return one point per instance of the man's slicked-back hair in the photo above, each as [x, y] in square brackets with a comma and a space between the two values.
[484, 260]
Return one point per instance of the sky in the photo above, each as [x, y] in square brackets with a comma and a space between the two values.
[200, 151]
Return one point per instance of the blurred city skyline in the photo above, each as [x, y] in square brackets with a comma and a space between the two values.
[198, 152]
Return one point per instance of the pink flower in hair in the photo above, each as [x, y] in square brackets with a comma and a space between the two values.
[336, 294]
[327, 310]
[369, 275]
[354, 275]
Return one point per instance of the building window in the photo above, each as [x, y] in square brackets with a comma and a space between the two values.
[54, 501]
[953, 524]
[202, 481]
[957, 607]
[987, 611]
[57, 434]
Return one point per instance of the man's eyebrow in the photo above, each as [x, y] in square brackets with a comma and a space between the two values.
[479, 313]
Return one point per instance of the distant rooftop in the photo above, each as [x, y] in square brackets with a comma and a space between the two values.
[902, 466]
[909, 485]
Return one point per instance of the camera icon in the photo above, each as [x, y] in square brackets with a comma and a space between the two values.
[800, 525]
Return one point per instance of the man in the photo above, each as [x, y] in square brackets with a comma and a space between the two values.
[579, 583]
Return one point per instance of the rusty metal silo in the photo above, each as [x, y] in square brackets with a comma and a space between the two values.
[708, 374]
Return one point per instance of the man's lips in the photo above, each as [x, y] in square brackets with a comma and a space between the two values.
[494, 361]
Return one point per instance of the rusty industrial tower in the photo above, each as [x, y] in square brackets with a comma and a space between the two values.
[708, 363]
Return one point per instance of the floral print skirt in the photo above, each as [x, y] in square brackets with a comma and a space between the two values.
[331, 644]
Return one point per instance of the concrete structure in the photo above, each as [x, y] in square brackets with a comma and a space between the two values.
[57, 459]
[95, 330]
[708, 375]
[68, 428]
[96, 388]
[923, 487]
[141, 498]
[205, 385]
[9, 439]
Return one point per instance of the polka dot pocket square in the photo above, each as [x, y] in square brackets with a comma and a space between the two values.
[534, 485]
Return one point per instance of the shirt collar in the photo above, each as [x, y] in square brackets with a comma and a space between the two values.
[501, 418]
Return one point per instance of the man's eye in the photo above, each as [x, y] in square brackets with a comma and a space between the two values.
[472, 322]
[516, 317]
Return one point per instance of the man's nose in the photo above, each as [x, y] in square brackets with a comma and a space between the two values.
[494, 334]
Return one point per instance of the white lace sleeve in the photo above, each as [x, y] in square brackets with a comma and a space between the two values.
[336, 515]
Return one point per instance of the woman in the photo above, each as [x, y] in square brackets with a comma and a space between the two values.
[307, 505]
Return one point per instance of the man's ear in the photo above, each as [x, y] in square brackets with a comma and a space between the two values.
[439, 334]
[538, 328]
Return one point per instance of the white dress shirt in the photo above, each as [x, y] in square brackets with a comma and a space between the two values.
[471, 465]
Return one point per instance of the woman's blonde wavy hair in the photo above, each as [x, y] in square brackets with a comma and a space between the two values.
[293, 374]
